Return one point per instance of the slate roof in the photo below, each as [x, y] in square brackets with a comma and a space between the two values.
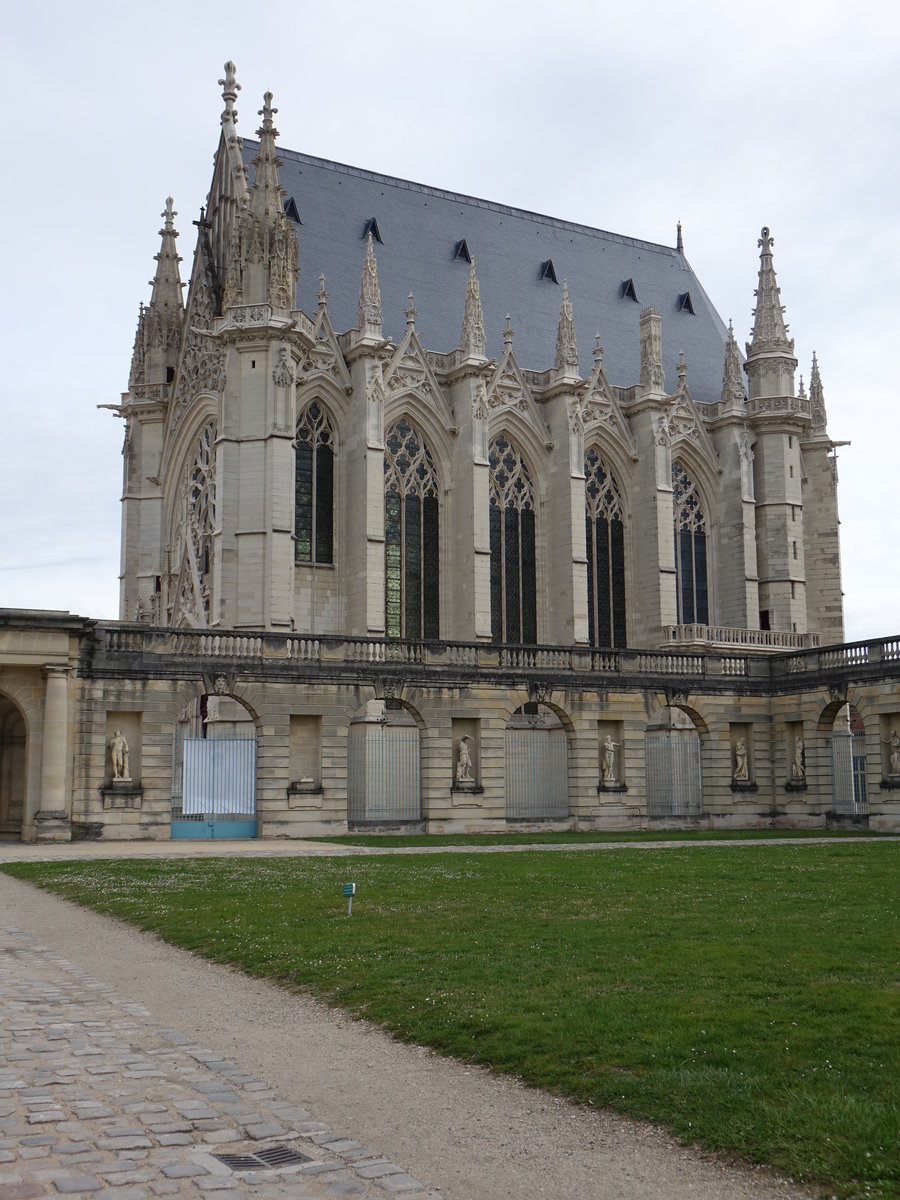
[421, 228]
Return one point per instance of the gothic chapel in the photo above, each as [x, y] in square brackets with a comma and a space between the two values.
[445, 514]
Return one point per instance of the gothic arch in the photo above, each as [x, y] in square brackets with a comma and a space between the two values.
[694, 532]
[413, 518]
[608, 551]
[316, 483]
[189, 532]
[515, 542]
[420, 413]
[326, 391]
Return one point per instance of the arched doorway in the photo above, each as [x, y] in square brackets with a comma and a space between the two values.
[848, 763]
[12, 770]
[672, 760]
[214, 770]
[537, 767]
[384, 779]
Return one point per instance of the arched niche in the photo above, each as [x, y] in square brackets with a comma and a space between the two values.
[537, 770]
[672, 763]
[12, 769]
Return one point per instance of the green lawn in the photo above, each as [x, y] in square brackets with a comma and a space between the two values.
[747, 998]
[568, 837]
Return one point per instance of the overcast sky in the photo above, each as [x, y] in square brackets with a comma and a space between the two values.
[628, 118]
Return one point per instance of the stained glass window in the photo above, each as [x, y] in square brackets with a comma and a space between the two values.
[412, 543]
[314, 487]
[605, 544]
[690, 549]
[513, 552]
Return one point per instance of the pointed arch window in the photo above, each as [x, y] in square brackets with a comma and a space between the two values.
[411, 535]
[690, 549]
[314, 487]
[513, 555]
[605, 545]
[193, 535]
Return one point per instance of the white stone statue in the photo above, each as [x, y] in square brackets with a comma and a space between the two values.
[609, 760]
[798, 768]
[118, 754]
[464, 761]
[741, 771]
[894, 742]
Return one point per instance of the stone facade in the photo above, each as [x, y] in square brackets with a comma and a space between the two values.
[371, 546]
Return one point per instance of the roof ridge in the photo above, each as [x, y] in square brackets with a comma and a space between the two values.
[461, 197]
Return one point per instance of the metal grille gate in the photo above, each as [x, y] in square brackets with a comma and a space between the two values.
[383, 773]
[214, 788]
[674, 780]
[537, 774]
[848, 774]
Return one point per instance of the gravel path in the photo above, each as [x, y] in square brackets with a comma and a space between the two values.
[464, 1133]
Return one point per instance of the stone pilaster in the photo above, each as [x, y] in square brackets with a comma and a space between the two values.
[53, 820]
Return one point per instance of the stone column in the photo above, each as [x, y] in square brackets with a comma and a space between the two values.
[53, 822]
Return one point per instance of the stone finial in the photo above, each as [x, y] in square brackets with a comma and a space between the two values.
[682, 367]
[770, 334]
[266, 195]
[566, 359]
[732, 384]
[817, 397]
[368, 315]
[230, 88]
[321, 294]
[508, 332]
[410, 313]
[472, 340]
[801, 390]
[652, 374]
[598, 352]
[679, 239]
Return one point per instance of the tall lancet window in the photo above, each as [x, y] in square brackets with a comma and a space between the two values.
[412, 546]
[605, 543]
[314, 487]
[513, 558]
[690, 549]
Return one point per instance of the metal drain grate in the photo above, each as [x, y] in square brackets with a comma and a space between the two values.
[282, 1156]
[262, 1160]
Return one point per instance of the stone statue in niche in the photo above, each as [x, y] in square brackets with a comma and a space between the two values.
[118, 755]
[609, 774]
[893, 742]
[464, 760]
[741, 771]
[798, 767]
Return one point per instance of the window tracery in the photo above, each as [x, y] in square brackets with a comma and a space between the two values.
[605, 546]
[692, 588]
[412, 542]
[314, 486]
[193, 540]
[512, 540]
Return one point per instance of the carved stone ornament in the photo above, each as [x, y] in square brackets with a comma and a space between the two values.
[283, 375]
[838, 691]
[541, 692]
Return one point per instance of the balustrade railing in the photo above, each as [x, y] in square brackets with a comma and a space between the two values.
[334, 651]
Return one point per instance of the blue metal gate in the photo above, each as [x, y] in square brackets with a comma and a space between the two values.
[214, 793]
[848, 774]
[383, 773]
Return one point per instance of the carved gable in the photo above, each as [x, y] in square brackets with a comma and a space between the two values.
[508, 391]
[410, 371]
[324, 356]
[685, 424]
[201, 364]
[601, 410]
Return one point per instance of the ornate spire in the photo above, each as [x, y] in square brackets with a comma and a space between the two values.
[732, 383]
[681, 367]
[266, 195]
[321, 294]
[368, 315]
[566, 359]
[230, 88]
[160, 323]
[410, 313]
[472, 340]
[817, 398]
[769, 330]
[264, 269]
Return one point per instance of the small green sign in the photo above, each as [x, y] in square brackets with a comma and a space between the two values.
[349, 889]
